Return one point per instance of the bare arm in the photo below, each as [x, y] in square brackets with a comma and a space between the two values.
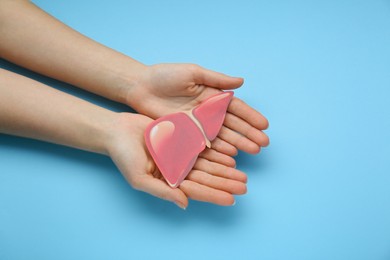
[31, 109]
[34, 39]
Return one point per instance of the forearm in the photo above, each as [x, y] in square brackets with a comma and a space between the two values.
[35, 40]
[31, 109]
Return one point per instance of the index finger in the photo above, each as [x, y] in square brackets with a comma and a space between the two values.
[242, 110]
[215, 79]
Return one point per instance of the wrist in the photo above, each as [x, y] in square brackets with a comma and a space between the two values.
[99, 132]
[134, 86]
[127, 76]
[124, 127]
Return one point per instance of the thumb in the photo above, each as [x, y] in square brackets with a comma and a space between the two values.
[160, 189]
[217, 80]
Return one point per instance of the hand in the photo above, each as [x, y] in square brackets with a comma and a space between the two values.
[212, 179]
[169, 88]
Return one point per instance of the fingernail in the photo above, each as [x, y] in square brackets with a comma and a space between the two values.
[180, 205]
[234, 203]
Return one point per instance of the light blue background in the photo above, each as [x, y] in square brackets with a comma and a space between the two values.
[319, 70]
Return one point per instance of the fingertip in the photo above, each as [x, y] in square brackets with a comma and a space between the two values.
[232, 163]
[235, 152]
[240, 188]
[245, 190]
[266, 141]
[245, 179]
[265, 124]
[261, 122]
[160, 189]
[240, 80]
[251, 148]
[234, 82]
[183, 204]
[230, 201]
[254, 150]
[179, 198]
[217, 80]
[241, 176]
[227, 199]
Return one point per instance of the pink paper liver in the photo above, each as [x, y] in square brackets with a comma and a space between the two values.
[211, 113]
[175, 141]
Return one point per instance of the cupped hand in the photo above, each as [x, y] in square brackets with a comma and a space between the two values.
[213, 178]
[170, 88]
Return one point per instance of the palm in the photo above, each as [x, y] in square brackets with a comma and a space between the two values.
[128, 151]
[170, 88]
[210, 180]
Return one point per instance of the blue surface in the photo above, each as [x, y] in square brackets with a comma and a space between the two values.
[319, 70]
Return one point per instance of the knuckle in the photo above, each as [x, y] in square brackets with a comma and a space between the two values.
[136, 183]
[194, 68]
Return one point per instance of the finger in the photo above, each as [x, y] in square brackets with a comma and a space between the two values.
[160, 189]
[217, 80]
[238, 125]
[239, 141]
[220, 170]
[248, 114]
[216, 182]
[201, 192]
[215, 156]
[223, 147]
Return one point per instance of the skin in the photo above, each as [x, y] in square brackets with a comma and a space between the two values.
[35, 40]
[30, 109]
